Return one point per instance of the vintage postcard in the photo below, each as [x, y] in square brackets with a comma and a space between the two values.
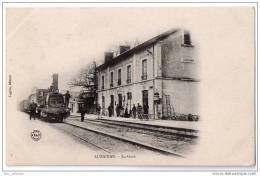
[129, 86]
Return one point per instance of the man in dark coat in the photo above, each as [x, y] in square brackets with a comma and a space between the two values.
[146, 112]
[99, 111]
[146, 109]
[134, 111]
[126, 112]
[32, 109]
[67, 98]
[117, 110]
[82, 112]
[110, 110]
[139, 111]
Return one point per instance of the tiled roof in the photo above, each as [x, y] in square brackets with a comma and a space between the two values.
[137, 48]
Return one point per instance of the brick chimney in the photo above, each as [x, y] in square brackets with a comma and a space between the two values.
[55, 81]
[108, 56]
[123, 48]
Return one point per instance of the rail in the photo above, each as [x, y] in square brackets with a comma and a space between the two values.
[132, 141]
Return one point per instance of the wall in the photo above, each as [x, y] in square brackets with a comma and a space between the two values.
[135, 89]
[172, 54]
[183, 95]
[74, 107]
[167, 63]
[136, 86]
[123, 66]
[147, 54]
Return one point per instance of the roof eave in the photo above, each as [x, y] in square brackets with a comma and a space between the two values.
[137, 48]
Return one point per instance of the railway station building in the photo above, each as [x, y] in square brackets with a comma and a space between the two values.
[161, 73]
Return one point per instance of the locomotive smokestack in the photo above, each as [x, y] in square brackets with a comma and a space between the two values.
[55, 81]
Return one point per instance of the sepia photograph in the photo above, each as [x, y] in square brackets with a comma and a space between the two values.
[129, 86]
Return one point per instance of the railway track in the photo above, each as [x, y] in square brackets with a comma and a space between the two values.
[183, 132]
[167, 140]
[131, 136]
[127, 140]
[84, 139]
[97, 141]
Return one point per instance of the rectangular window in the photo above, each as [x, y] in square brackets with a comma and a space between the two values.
[186, 38]
[119, 77]
[128, 80]
[111, 79]
[103, 82]
[144, 69]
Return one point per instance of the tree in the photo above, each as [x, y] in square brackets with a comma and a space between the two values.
[87, 79]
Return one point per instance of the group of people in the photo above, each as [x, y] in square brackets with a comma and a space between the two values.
[120, 111]
[136, 111]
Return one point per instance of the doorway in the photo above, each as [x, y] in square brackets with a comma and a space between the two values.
[112, 102]
[120, 99]
[145, 101]
[103, 105]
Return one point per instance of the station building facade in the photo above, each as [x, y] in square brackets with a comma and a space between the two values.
[161, 73]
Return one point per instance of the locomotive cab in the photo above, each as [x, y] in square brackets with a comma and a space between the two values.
[55, 100]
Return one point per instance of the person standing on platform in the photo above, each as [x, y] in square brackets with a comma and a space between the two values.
[121, 111]
[110, 110]
[146, 109]
[126, 112]
[82, 112]
[117, 110]
[146, 112]
[134, 111]
[139, 111]
[32, 109]
[99, 111]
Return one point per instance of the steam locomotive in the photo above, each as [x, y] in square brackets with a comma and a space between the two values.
[51, 104]
[54, 108]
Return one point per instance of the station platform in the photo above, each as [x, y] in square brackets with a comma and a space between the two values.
[193, 125]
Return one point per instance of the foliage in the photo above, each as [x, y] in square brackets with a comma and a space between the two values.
[86, 78]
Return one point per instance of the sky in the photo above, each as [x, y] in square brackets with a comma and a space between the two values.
[43, 41]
